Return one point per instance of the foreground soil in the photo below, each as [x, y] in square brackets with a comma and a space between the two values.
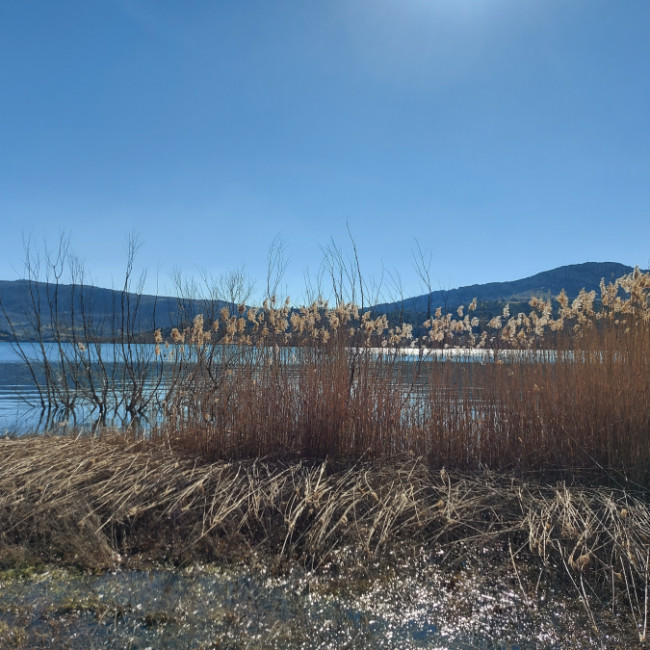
[402, 603]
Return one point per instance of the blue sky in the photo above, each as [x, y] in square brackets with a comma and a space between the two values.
[505, 137]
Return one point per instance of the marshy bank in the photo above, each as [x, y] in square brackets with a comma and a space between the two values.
[289, 477]
[163, 547]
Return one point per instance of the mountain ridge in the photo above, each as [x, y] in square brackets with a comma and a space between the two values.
[571, 277]
[103, 307]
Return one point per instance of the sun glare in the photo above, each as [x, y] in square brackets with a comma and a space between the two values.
[405, 41]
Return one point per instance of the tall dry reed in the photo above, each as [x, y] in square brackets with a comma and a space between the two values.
[564, 387]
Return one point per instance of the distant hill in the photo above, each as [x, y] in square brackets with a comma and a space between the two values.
[100, 309]
[494, 295]
[103, 308]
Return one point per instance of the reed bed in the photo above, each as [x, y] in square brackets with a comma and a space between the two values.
[564, 388]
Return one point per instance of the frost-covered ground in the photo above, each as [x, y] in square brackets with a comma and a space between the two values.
[471, 603]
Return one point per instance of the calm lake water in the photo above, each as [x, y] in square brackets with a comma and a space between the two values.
[20, 403]
[15, 388]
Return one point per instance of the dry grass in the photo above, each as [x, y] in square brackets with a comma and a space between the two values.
[295, 434]
[560, 389]
[100, 502]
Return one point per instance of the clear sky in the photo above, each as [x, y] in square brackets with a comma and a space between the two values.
[506, 137]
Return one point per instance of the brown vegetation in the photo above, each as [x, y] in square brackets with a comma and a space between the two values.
[555, 391]
[103, 502]
[562, 389]
[298, 432]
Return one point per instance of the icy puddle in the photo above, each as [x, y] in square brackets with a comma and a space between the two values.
[413, 604]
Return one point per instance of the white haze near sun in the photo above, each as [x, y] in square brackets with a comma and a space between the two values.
[411, 42]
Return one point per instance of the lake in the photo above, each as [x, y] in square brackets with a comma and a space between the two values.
[21, 404]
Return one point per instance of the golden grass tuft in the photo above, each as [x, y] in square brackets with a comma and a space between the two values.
[105, 502]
